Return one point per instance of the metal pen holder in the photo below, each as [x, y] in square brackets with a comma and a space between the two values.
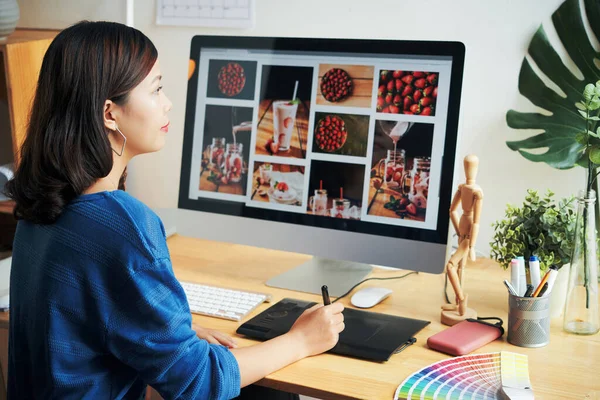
[528, 321]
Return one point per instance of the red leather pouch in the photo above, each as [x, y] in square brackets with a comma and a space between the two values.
[465, 337]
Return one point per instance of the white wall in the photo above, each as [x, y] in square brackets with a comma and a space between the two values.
[58, 14]
[496, 35]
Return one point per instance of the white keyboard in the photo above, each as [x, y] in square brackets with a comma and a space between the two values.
[213, 301]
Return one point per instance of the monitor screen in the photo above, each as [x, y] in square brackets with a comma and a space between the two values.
[341, 134]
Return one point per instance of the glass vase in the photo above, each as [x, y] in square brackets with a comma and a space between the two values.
[596, 185]
[581, 307]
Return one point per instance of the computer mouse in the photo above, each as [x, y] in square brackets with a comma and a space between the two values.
[369, 297]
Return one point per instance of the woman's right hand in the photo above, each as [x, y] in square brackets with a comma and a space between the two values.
[318, 328]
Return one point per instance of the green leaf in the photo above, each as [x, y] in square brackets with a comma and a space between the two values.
[595, 154]
[295, 101]
[594, 134]
[583, 161]
[589, 91]
[594, 118]
[581, 106]
[583, 114]
[559, 138]
[541, 226]
[594, 105]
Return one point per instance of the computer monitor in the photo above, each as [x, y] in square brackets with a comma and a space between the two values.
[343, 149]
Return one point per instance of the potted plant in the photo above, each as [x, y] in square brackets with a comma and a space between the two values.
[541, 227]
[569, 137]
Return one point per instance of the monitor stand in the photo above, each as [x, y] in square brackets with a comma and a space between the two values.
[339, 276]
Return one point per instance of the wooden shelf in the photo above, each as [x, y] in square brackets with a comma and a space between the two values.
[28, 35]
[21, 56]
[7, 207]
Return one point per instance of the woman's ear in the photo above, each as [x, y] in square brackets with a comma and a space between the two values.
[109, 120]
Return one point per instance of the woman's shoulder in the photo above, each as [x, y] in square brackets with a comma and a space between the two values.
[127, 217]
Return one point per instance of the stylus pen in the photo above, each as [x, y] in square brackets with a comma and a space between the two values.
[325, 293]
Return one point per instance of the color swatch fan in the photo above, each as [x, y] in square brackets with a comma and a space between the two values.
[501, 375]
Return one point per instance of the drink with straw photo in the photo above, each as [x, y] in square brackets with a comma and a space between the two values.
[318, 203]
[284, 119]
[327, 177]
[283, 111]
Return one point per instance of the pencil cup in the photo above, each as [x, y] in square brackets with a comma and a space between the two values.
[528, 321]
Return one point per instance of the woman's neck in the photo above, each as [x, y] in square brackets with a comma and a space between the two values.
[110, 182]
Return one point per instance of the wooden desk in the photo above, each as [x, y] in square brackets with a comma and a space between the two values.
[568, 368]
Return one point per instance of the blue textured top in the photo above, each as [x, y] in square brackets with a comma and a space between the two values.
[97, 313]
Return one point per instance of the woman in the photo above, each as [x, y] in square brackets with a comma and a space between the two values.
[96, 311]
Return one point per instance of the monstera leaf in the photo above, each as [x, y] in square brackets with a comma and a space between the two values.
[562, 130]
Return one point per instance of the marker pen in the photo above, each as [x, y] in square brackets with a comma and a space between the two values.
[552, 274]
[522, 276]
[515, 276]
[534, 271]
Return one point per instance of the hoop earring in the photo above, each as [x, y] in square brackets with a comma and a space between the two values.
[124, 141]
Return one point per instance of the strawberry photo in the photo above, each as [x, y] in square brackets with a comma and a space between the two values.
[345, 85]
[225, 144]
[407, 92]
[277, 183]
[335, 189]
[341, 134]
[231, 79]
[400, 169]
[283, 111]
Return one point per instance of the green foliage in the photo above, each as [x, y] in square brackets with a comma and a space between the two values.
[540, 227]
[561, 130]
[590, 135]
[570, 135]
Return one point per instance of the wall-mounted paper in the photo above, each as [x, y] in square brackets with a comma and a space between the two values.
[206, 13]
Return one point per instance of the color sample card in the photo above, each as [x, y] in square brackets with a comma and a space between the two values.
[477, 376]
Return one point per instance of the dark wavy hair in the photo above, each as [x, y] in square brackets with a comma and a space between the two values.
[67, 147]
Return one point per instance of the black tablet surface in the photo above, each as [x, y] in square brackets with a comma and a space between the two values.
[368, 335]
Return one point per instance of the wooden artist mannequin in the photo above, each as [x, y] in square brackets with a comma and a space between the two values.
[469, 196]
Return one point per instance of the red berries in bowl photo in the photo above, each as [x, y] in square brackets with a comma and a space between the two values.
[231, 79]
[336, 85]
[330, 133]
[407, 92]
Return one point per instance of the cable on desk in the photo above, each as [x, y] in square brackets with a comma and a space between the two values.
[374, 279]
